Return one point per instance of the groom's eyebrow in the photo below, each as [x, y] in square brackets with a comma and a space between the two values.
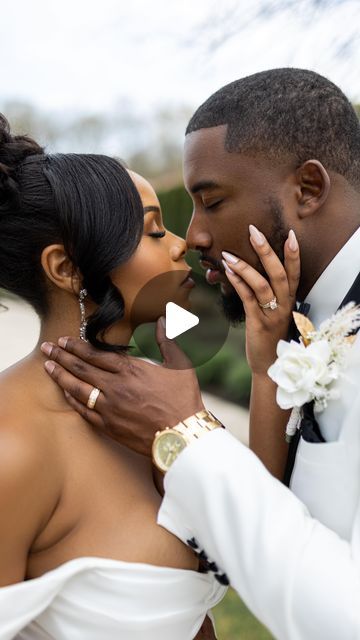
[152, 208]
[202, 185]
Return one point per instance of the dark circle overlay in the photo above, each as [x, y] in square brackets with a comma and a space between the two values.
[202, 342]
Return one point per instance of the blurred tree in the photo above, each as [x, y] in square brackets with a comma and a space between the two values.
[27, 119]
[150, 143]
[239, 16]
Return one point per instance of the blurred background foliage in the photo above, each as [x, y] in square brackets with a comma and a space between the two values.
[235, 622]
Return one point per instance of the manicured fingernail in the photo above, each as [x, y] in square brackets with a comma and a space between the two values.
[293, 243]
[227, 268]
[229, 257]
[62, 342]
[47, 348]
[163, 322]
[49, 366]
[256, 235]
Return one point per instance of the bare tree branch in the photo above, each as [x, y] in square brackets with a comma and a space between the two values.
[219, 28]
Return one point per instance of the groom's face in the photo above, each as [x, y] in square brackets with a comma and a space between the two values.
[229, 192]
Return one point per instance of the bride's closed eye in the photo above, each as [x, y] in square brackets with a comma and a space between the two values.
[157, 234]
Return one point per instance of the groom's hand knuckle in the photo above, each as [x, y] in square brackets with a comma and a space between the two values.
[87, 355]
[78, 367]
[76, 389]
[56, 354]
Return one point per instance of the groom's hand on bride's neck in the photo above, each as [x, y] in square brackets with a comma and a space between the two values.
[136, 398]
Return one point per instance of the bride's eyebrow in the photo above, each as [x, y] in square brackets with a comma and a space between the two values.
[152, 208]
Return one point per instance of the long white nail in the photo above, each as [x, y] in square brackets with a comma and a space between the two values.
[227, 268]
[256, 235]
[293, 243]
[229, 257]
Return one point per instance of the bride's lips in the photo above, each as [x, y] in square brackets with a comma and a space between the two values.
[188, 282]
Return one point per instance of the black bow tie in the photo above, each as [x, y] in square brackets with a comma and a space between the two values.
[304, 308]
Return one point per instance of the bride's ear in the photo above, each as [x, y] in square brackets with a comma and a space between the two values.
[313, 187]
[59, 269]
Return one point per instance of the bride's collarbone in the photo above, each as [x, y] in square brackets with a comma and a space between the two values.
[108, 508]
[100, 497]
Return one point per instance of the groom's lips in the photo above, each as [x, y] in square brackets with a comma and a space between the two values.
[214, 273]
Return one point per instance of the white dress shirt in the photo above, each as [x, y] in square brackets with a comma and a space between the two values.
[294, 559]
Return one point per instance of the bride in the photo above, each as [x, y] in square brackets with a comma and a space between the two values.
[81, 554]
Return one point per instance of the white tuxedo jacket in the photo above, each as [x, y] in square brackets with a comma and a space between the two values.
[293, 556]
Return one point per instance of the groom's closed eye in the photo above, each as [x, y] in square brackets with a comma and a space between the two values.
[212, 204]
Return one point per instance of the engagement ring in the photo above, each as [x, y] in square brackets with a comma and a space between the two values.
[273, 304]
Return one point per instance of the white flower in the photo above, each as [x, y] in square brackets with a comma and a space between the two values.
[305, 371]
[302, 373]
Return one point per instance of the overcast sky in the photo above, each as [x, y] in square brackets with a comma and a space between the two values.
[86, 55]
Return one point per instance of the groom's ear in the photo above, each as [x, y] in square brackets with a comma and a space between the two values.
[312, 187]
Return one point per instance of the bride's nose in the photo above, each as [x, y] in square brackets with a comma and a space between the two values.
[178, 248]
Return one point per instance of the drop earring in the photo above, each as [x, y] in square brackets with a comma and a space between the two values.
[83, 321]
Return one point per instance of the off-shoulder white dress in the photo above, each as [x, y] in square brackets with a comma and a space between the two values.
[93, 598]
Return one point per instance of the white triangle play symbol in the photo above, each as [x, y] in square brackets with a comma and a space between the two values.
[178, 320]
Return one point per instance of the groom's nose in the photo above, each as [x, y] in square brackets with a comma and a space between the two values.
[197, 237]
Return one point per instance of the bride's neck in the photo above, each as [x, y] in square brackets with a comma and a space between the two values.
[67, 323]
[62, 323]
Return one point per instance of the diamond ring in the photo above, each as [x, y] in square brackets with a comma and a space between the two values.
[273, 304]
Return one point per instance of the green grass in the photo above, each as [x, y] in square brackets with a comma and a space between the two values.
[235, 622]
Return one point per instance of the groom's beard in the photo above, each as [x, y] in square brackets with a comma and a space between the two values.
[231, 304]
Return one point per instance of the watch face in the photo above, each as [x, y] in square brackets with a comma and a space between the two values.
[167, 448]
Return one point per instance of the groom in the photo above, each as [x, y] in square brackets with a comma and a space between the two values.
[280, 150]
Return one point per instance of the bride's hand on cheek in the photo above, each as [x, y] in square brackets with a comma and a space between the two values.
[265, 326]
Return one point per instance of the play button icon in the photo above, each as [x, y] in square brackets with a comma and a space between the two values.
[178, 320]
[193, 317]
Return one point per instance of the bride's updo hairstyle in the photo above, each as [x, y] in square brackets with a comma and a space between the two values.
[86, 202]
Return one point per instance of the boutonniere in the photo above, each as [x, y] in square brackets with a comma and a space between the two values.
[305, 371]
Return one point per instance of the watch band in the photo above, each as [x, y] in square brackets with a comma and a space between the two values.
[165, 449]
[198, 424]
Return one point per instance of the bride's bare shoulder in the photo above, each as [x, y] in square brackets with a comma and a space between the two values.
[24, 440]
[30, 480]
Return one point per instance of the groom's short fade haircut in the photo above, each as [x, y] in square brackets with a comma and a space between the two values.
[286, 111]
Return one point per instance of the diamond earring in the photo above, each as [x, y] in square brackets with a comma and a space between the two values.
[83, 321]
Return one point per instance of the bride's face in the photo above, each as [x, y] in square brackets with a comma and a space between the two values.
[159, 253]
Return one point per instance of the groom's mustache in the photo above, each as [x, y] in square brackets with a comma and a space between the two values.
[207, 261]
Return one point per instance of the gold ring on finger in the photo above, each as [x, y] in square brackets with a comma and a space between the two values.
[272, 304]
[94, 394]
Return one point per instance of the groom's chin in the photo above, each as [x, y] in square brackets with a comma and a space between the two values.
[233, 308]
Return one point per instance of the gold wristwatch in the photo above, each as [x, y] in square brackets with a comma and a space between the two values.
[171, 441]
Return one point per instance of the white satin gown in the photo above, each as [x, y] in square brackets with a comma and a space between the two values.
[93, 598]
